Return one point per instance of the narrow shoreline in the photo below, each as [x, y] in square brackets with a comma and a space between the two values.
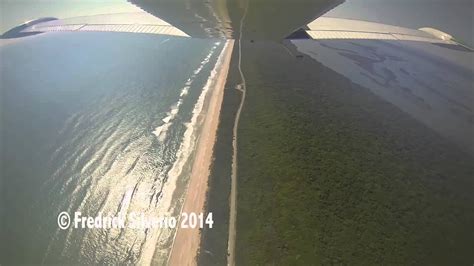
[186, 243]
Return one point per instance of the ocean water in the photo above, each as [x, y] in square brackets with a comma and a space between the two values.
[96, 123]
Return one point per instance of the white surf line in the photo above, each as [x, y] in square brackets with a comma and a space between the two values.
[184, 152]
[222, 62]
[233, 190]
[161, 131]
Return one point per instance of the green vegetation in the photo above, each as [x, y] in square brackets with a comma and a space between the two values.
[331, 174]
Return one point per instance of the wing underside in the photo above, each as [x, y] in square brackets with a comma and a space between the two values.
[233, 19]
[137, 22]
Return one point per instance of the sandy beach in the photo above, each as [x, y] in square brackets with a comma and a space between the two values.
[186, 242]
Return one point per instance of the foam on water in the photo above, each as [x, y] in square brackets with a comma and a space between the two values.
[186, 148]
[160, 131]
[104, 159]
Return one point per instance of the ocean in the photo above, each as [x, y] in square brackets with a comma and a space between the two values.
[102, 124]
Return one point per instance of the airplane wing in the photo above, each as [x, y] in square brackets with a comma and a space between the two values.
[424, 72]
[325, 28]
[233, 19]
[225, 19]
[137, 22]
